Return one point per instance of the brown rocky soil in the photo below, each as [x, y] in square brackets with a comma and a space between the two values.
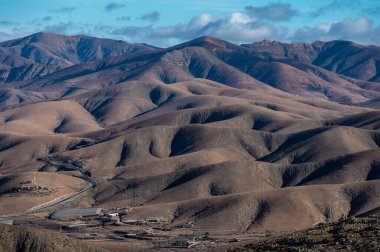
[14, 239]
[352, 234]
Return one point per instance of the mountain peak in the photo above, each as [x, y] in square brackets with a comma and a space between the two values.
[44, 33]
[208, 39]
[42, 36]
[207, 42]
[44, 52]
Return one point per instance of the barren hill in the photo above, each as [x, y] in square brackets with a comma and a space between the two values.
[42, 53]
[14, 239]
[353, 234]
[233, 139]
[209, 58]
[343, 57]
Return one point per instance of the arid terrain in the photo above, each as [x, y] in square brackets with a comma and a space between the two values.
[353, 234]
[206, 144]
[25, 239]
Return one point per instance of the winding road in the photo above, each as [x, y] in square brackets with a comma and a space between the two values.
[85, 174]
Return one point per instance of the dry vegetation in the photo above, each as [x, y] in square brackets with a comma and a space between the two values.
[14, 239]
[353, 234]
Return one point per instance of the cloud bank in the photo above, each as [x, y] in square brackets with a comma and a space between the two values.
[274, 21]
[242, 27]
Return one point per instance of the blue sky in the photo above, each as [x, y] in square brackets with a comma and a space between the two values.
[166, 22]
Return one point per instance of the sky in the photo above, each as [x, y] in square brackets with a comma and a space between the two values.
[168, 22]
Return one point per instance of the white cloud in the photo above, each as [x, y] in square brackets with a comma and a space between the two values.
[240, 18]
[351, 28]
[236, 27]
[201, 20]
[242, 26]
[360, 30]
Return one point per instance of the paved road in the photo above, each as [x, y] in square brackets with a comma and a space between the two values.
[85, 174]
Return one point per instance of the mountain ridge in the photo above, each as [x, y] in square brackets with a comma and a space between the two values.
[42, 53]
[217, 60]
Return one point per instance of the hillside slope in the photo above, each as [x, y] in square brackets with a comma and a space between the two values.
[226, 137]
[14, 239]
[213, 59]
[342, 57]
[353, 234]
[42, 53]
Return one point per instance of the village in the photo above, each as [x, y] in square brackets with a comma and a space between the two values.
[102, 225]
[96, 224]
[30, 188]
[156, 230]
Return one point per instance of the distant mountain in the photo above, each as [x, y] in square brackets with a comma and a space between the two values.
[42, 53]
[263, 70]
[342, 57]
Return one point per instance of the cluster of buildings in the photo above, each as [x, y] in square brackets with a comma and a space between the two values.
[114, 215]
[28, 186]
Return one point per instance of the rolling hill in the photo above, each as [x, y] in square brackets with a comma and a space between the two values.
[20, 239]
[208, 58]
[342, 57]
[238, 139]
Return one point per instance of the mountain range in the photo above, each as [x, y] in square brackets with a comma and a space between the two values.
[43, 53]
[246, 138]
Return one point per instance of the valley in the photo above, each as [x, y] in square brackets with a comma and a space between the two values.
[206, 144]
